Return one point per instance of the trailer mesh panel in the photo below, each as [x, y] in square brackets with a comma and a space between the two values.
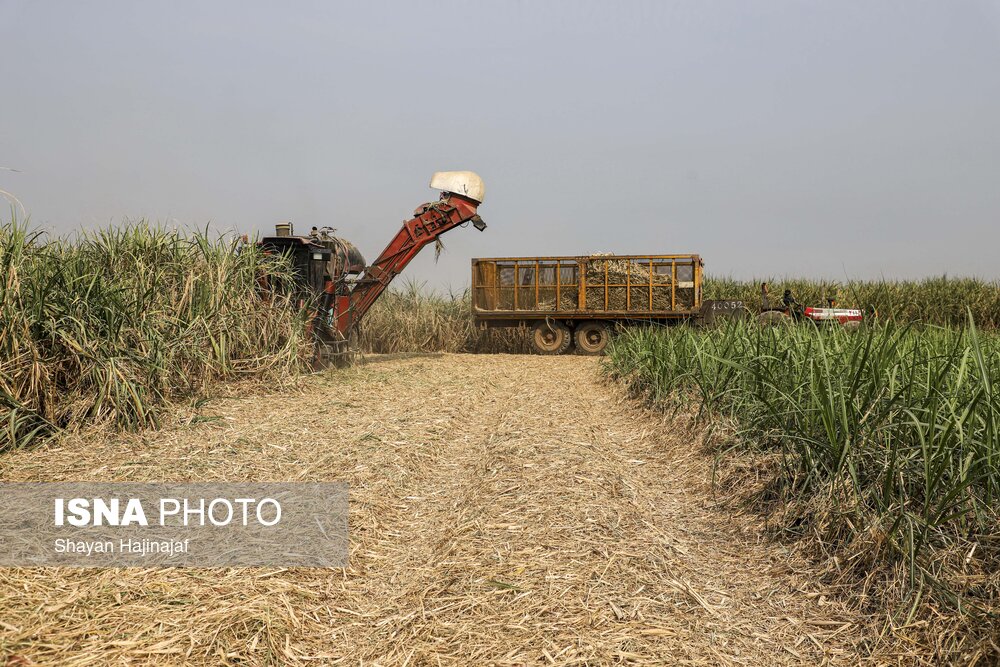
[632, 284]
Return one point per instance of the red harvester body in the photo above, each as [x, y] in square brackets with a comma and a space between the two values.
[332, 274]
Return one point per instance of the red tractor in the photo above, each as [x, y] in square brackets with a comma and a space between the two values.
[788, 310]
[332, 275]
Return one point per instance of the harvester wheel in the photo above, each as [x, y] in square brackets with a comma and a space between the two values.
[327, 354]
[550, 337]
[334, 350]
[592, 337]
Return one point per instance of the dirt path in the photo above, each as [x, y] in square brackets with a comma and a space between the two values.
[504, 510]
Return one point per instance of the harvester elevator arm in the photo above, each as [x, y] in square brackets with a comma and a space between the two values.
[429, 222]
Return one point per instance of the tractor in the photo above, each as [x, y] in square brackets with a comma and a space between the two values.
[790, 310]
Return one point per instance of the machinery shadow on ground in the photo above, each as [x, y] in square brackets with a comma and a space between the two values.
[366, 359]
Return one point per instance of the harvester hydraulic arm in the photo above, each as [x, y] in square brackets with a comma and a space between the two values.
[429, 222]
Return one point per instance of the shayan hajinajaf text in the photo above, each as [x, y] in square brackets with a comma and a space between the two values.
[125, 546]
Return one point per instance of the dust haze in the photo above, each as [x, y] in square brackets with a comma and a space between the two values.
[776, 138]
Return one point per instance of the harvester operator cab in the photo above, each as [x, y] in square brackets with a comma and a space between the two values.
[308, 262]
[316, 259]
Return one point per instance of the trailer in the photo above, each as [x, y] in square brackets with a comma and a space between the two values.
[579, 299]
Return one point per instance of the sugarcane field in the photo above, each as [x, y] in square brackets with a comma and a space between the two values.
[709, 374]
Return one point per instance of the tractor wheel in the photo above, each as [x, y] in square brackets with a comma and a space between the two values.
[550, 337]
[772, 318]
[592, 337]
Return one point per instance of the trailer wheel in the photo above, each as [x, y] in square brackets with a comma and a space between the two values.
[550, 337]
[592, 337]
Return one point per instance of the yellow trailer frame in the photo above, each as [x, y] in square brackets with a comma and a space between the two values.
[507, 291]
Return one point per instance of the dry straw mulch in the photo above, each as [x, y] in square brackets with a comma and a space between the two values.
[505, 510]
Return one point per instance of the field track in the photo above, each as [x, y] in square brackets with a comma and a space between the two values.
[504, 510]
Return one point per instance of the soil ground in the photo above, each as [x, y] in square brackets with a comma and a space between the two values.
[504, 510]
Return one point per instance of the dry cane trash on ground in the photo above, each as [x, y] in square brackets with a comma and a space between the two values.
[493, 521]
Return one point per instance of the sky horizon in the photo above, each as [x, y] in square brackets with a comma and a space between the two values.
[836, 140]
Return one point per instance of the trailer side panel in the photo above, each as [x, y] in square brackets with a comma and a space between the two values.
[632, 287]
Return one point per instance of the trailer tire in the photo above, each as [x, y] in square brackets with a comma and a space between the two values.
[550, 337]
[592, 337]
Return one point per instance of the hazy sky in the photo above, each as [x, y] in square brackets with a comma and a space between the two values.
[786, 138]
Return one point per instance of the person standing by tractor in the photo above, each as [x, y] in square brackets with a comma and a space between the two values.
[791, 305]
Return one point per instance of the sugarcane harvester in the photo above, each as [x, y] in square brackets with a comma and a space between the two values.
[332, 274]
